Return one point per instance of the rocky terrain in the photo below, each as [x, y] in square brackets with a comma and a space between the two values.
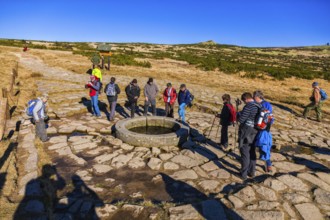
[99, 176]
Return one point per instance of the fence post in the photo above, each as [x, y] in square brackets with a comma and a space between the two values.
[11, 84]
[3, 116]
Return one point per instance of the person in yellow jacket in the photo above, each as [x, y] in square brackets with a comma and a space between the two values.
[97, 72]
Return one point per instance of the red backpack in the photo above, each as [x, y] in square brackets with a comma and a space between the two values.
[232, 112]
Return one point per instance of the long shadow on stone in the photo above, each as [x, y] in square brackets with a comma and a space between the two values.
[80, 203]
[6, 154]
[2, 181]
[40, 195]
[120, 110]
[187, 197]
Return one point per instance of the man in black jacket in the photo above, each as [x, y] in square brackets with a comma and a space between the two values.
[247, 134]
[112, 90]
[133, 93]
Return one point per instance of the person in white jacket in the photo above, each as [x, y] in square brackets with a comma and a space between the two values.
[39, 118]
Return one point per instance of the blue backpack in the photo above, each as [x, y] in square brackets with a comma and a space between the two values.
[30, 106]
[324, 95]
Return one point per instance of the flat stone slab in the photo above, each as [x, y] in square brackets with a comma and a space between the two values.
[185, 175]
[309, 211]
[293, 183]
[261, 215]
[101, 169]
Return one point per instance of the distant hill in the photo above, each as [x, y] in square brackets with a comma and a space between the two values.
[209, 42]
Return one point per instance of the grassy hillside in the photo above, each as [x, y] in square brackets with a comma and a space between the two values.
[278, 63]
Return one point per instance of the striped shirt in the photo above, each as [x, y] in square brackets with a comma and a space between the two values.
[249, 113]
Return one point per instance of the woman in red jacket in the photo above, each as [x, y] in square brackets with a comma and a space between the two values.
[169, 99]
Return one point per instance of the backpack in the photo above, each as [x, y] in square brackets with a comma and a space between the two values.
[232, 110]
[30, 106]
[191, 99]
[324, 95]
[264, 118]
[111, 89]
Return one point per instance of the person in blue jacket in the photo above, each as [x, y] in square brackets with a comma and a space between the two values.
[264, 138]
[184, 100]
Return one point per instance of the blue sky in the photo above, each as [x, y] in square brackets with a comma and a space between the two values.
[239, 22]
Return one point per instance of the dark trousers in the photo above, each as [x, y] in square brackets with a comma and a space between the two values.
[169, 109]
[224, 135]
[41, 130]
[132, 105]
[246, 136]
[112, 105]
[153, 106]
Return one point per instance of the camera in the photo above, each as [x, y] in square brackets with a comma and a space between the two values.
[238, 101]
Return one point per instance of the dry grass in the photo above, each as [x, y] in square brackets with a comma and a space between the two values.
[181, 72]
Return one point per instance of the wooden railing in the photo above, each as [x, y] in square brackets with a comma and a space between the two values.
[7, 93]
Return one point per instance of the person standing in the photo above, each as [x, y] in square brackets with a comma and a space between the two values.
[94, 88]
[316, 102]
[227, 118]
[183, 100]
[264, 138]
[112, 91]
[169, 97]
[97, 73]
[150, 92]
[247, 134]
[133, 94]
[39, 118]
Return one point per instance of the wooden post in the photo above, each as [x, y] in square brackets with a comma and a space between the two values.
[102, 65]
[3, 116]
[11, 84]
[109, 63]
[4, 93]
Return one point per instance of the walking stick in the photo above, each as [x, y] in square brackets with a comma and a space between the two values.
[238, 102]
[212, 126]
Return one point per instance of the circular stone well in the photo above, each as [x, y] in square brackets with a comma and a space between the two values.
[178, 133]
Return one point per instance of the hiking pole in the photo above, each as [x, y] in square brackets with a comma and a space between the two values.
[237, 102]
[212, 126]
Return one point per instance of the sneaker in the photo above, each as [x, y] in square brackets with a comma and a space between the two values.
[99, 116]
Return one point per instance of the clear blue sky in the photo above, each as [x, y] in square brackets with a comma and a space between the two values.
[240, 22]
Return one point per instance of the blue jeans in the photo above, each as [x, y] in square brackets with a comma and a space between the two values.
[95, 105]
[268, 163]
[182, 112]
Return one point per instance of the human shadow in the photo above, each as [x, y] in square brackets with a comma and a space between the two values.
[88, 104]
[11, 147]
[2, 181]
[40, 195]
[159, 111]
[286, 108]
[207, 206]
[81, 202]
[120, 110]
[138, 111]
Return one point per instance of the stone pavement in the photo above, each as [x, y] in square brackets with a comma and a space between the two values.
[109, 179]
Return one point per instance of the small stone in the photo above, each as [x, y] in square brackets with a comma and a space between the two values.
[78, 160]
[126, 147]
[136, 163]
[289, 210]
[309, 211]
[166, 156]
[210, 166]
[236, 202]
[184, 212]
[290, 167]
[259, 215]
[136, 195]
[81, 147]
[324, 176]
[155, 151]
[295, 198]
[247, 194]
[200, 172]
[185, 161]
[171, 166]
[185, 175]
[157, 178]
[101, 169]
[314, 180]
[116, 142]
[220, 174]
[293, 182]
[154, 163]
[322, 196]
[105, 157]
[51, 130]
[141, 149]
[266, 193]
[58, 139]
[121, 160]
[275, 184]
[211, 186]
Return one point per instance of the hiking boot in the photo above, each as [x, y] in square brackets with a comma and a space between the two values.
[269, 169]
